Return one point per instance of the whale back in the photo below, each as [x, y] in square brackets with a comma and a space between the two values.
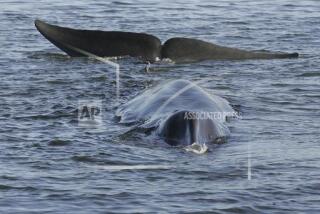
[157, 103]
[174, 109]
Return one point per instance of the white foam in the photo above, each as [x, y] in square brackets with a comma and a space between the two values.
[197, 148]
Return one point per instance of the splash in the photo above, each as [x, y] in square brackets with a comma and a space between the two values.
[197, 148]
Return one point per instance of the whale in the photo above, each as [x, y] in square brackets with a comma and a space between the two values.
[179, 112]
[144, 46]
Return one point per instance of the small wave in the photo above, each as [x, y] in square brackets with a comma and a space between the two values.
[121, 3]
[98, 160]
[309, 74]
[48, 55]
[58, 81]
[6, 177]
[53, 115]
[84, 158]
[235, 22]
[211, 6]
[58, 142]
[280, 84]
[131, 167]
[241, 209]
[312, 95]
[290, 5]
[7, 187]
[99, 78]
[298, 90]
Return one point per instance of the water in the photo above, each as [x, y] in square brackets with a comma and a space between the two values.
[50, 165]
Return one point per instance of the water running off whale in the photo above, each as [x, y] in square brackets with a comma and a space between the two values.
[145, 46]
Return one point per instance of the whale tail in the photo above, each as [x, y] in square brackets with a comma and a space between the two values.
[101, 43]
[145, 46]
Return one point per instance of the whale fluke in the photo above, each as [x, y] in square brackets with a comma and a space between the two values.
[145, 46]
[101, 43]
[185, 49]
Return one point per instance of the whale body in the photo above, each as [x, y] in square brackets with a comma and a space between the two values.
[173, 110]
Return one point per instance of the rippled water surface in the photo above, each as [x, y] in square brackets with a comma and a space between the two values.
[50, 165]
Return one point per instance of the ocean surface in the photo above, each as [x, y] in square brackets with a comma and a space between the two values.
[270, 164]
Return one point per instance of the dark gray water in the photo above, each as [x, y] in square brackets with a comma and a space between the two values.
[50, 165]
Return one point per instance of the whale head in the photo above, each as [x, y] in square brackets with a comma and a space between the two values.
[186, 128]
